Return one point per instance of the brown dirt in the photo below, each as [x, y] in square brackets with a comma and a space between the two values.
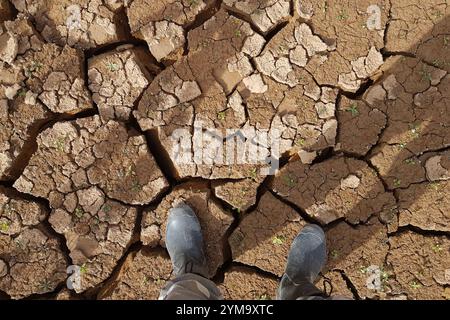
[31, 261]
[426, 206]
[242, 283]
[116, 80]
[334, 189]
[239, 194]
[141, 276]
[79, 23]
[92, 91]
[353, 250]
[420, 265]
[264, 236]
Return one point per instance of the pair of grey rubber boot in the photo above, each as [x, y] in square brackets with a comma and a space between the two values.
[307, 256]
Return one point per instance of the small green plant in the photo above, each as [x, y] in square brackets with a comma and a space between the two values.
[415, 285]
[425, 74]
[135, 186]
[21, 93]
[237, 33]
[342, 15]
[130, 171]
[34, 67]
[437, 63]
[253, 174]
[437, 248]
[221, 115]
[4, 226]
[106, 208]
[61, 143]
[83, 268]
[363, 269]
[414, 130]
[334, 254]
[289, 181]
[278, 240]
[437, 14]
[410, 161]
[79, 213]
[397, 183]
[264, 297]
[7, 209]
[159, 281]
[384, 276]
[45, 286]
[402, 145]
[112, 66]
[300, 142]
[353, 109]
[19, 243]
[434, 186]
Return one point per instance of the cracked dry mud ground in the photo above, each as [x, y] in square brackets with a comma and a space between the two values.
[91, 92]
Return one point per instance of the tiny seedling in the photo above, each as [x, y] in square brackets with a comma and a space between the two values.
[44, 286]
[130, 171]
[7, 209]
[237, 33]
[437, 63]
[402, 145]
[278, 240]
[79, 213]
[363, 269]
[300, 142]
[434, 186]
[19, 244]
[159, 281]
[61, 143]
[397, 183]
[414, 129]
[410, 161]
[136, 187]
[106, 208]
[437, 248]
[112, 66]
[21, 93]
[34, 67]
[289, 181]
[425, 74]
[334, 254]
[384, 276]
[221, 115]
[342, 16]
[353, 109]
[253, 174]
[4, 226]
[437, 14]
[83, 268]
[415, 285]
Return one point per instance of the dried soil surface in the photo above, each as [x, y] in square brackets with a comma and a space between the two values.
[114, 111]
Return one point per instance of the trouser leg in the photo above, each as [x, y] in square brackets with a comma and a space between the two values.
[190, 286]
[288, 290]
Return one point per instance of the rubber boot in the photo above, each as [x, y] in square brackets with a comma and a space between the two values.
[306, 258]
[184, 242]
